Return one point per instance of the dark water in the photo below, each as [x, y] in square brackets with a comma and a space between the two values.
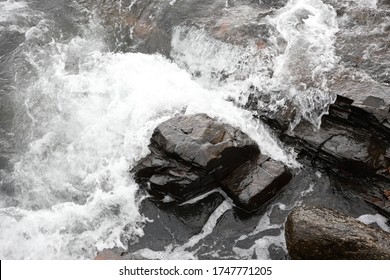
[82, 88]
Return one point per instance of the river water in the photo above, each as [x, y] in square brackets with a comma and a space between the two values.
[79, 102]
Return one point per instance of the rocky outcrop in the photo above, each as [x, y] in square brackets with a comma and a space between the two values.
[353, 145]
[350, 140]
[319, 233]
[191, 154]
[256, 182]
[195, 153]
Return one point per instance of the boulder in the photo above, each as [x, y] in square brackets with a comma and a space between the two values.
[320, 233]
[191, 154]
[110, 254]
[256, 182]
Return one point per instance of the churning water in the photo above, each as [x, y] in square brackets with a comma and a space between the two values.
[76, 116]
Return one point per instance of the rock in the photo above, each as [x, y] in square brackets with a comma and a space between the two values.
[371, 96]
[381, 203]
[386, 193]
[256, 182]
[110, 254]
[350, 140]
[116, 254]
[191, 154]
[384, 2]
[320, 233]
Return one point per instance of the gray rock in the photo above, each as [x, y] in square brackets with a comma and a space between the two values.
[350, 140]
[320, 233]
[191, 154]
[256, 182]
[371, 96]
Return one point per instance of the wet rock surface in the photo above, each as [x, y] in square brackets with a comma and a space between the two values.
[320, 233]
[191, 154]
[195, 154]
[110, 254]
[345, 163]
[351, 139]
[256, 182]
[352, 145]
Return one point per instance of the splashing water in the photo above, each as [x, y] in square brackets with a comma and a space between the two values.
[83, 117]
[370, 4]
[308, 28]
[294, 65]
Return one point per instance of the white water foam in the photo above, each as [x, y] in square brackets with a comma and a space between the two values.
[83, 118]
[10, 8]
[292, 66]
[308, 28]
[219, 65]
[369, 4]
[380, 220]
[183, 251]
[15, 16]
[260, 246]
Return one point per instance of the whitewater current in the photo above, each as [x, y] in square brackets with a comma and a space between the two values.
[80, 115]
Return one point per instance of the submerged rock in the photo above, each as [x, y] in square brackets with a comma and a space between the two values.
[256, 182]
[320, 233]
[191, 154]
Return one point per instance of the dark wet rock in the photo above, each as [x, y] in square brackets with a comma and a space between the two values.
[350, 140]
[111, 254]
[384, 2]
[372, 97]
[320, 233]
[351, 148]
[386, 194]
[116, 254]
[380, 201]
[191, 154]
[256, 182]
[276, 252]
